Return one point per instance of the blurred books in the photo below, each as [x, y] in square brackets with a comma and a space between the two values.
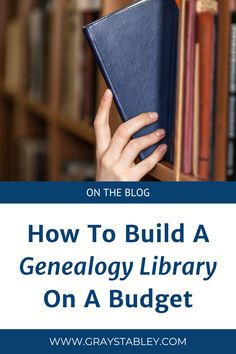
[79, 170]
[13, 56]
[39, 42]
[32, 159]
[78, 93]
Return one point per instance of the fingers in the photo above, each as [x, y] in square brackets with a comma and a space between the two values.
[145, 166]
[135, 146]
[101, 123]
[125, 131]
[116, 156]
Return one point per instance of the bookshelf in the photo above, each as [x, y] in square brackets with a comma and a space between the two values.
[66, 139]
[22, 116]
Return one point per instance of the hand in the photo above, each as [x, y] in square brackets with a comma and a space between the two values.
[116, 155]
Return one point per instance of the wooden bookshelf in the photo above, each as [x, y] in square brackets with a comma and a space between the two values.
[22, 116]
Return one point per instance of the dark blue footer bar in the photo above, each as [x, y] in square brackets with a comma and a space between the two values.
[118, 341]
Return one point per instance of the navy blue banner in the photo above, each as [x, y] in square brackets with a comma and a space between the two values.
[118, 341]
[95, 192]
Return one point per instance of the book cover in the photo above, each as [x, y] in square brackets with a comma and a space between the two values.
[135, 49]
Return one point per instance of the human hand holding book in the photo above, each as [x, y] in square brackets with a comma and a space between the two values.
[116, 155]
[136, 51]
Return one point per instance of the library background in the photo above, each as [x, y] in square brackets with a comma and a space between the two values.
[50, 88]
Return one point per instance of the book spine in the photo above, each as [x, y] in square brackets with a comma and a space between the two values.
[189, 89]
[73, 57]
[39, 30]
[47, 30]
[173, 96]
[13, 56]
[88, 5]
[180, 92]
[231, 161]
[89, 68]
[196, 114]
[212, 138]
[222, 88]
[206, 42]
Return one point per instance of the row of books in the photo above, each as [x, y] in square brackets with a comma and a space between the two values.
[32, 158]
[78, 94]
[208, 47]
[39, 29]
[36, 53]
[78, 76]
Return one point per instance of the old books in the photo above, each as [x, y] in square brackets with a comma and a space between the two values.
[79, 70]
[208, 116]
[39, 35]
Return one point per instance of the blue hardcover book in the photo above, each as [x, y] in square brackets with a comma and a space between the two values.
[136, 50]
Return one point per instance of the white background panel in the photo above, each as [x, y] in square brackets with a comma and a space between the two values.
[21, 297]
